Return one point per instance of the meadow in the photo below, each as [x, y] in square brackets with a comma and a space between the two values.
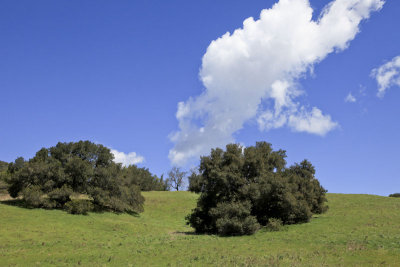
[358, 230]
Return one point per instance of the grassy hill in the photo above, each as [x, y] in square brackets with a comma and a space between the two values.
[358, 230]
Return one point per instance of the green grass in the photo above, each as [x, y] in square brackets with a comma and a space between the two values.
[358, 230]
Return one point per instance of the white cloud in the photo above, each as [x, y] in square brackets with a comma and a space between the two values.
[387, 75]
[126, 159]
[298, 119]
[260, 63]
[350, 98]
[312, 122]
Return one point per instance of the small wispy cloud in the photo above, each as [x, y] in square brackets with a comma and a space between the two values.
[387, 75]
[126, 159]
[350, 98]
[311, 122]
[363, 90]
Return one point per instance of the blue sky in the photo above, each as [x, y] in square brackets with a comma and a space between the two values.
[113, 72]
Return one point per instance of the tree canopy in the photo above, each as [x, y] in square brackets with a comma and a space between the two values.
[242, 189]
[143, 178]
[54, 174]
[3, 174]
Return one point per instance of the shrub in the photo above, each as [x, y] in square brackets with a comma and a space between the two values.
[49, 204]
[3, 183]
[33, 196]
[78, 206]
[243, 188]
[234, 218]
[277, 198]
[3, 177]
[395, 195]
[274, 224]
[120, 199]
[60, 195]
[133, 199]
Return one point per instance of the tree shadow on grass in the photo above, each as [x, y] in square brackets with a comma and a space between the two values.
[16, 202]
[187, 233]
[193, 233]
[132, 213]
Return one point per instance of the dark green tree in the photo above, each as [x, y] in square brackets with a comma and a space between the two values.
[194, 181]
[243, 189]
[143, 178]
[55, 174]
[3, 176]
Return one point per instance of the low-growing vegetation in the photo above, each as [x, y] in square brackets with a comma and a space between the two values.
[395, 195]
[243, 189]
[274, 224]
[79, 206]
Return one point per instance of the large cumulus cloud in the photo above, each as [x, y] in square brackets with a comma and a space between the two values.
[261, 63]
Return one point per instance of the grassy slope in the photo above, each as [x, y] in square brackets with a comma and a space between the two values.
[358, 230]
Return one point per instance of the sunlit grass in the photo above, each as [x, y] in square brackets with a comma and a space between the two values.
[357, 230]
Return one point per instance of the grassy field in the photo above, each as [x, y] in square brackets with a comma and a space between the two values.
[358, 230]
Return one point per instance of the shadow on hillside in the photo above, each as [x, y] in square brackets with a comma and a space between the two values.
[132, 213]
[186, 233]
[15, 202]
[193, 233]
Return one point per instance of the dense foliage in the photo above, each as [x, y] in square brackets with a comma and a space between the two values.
[54, 175]
[394, 195]
[143, 178]
[242, 189]
[3, 175]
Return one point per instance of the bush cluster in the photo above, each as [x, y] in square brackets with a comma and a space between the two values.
[78, 206]
[243, 189]
[394, 195]
[143, 178]
[49, 179]
[274, 225]
[234, 218]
